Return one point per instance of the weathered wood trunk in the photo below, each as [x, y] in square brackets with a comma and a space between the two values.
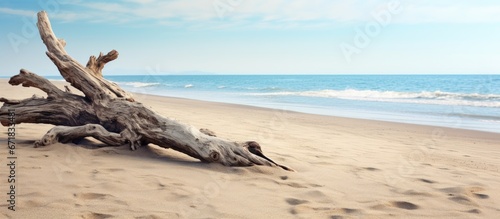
[110, 114]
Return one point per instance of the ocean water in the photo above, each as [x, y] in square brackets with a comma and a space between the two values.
[457, 101]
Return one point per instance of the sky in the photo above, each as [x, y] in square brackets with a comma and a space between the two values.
[259, 36]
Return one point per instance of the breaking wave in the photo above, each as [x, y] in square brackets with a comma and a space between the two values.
[424, 97]
[138, 84]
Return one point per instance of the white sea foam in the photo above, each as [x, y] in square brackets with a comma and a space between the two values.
[490, 121]
[188, 85]
[425, 97]
[138, 84]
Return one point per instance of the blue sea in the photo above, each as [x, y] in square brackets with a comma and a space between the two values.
[457, 101]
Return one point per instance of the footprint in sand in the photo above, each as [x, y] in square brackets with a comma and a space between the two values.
[93, 215]
[474, 211]
[296, 185]
[404, 205]
[465, 195]
[294, 201]
[481, 196]
[463, 200]
[427, 181]
[316, 196]
[349, 211]
[290, 183]
[90, 195]
[412, 192]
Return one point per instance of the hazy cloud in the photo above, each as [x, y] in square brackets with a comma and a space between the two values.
[269, 13]
[17, 12]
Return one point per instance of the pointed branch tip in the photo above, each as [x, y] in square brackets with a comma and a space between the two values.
[97, 64]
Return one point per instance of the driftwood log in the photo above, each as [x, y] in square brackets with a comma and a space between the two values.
[109, 114]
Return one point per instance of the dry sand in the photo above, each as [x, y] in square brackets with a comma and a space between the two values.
[346, 168]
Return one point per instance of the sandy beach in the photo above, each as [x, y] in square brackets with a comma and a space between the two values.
[345, 168]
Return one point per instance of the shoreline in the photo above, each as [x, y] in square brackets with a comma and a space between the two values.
[359, 120]
[346, 168]
[444, 119]
[61, 84]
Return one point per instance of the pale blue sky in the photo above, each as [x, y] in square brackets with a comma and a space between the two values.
[261, 36]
